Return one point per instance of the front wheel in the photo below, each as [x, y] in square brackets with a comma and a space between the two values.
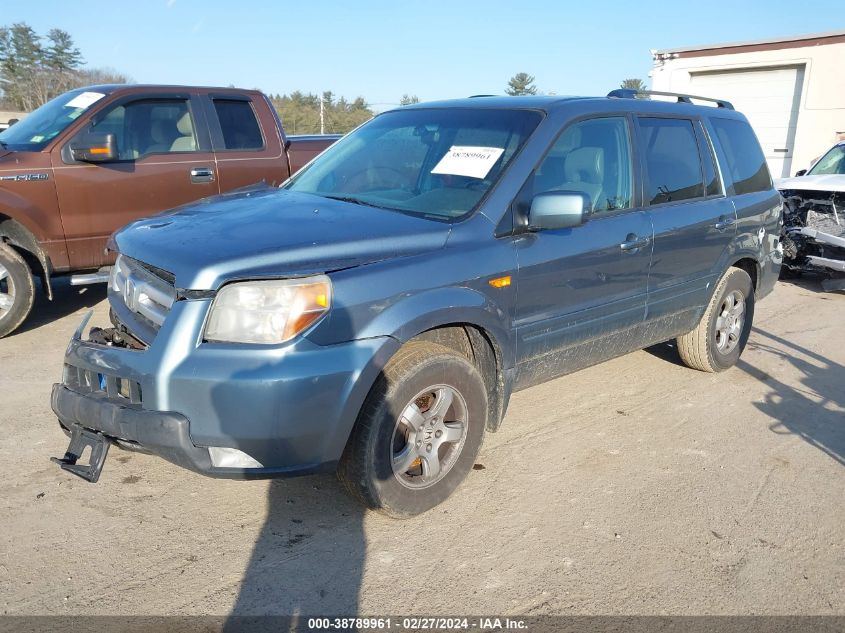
[17, 290]
[418, 433]
[721, 334]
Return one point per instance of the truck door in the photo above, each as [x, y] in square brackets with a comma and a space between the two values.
[582, 291]
[164, 159]
[694, 223]
[246, 141]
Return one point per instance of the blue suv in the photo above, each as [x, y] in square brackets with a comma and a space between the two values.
[374, 314]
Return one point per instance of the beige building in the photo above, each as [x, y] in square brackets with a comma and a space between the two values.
[792, 90]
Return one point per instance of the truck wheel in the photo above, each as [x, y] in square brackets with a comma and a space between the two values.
[17, 290]
[721, 334]
[418, 433]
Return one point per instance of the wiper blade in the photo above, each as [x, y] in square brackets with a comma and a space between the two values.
[348, 199]
[361, 202]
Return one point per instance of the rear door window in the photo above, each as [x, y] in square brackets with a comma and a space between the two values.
[746, 163]
[238, 125]
[673, 162]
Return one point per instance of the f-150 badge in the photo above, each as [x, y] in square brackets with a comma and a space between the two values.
[17, 177]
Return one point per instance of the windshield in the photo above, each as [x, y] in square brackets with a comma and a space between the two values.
[831, 163]
[34, 131]
[437, 163]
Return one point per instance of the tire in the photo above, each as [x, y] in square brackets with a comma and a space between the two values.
[401, 424]
[17, 290]
[720, 336]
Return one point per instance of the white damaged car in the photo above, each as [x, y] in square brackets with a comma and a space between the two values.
[814, 219]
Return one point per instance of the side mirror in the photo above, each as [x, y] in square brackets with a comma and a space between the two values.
[559, 210]
[800, 172]
[95, 148]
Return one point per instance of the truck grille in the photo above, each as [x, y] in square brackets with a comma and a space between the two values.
[134, 287]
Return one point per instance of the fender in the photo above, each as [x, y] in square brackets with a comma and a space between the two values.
[429, 309]
[18, 234]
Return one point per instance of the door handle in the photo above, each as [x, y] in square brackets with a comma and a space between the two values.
[724, 222]
[634, 243]
[202, 174]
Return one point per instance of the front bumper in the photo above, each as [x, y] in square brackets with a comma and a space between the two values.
[291, 408]
[165, 434]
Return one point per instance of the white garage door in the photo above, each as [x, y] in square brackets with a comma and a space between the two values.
[769, 97]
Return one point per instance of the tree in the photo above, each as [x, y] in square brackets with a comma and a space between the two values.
[61, 55]
[20, 56]
[633, 84]
[93, 76]
[408, 99]
[300, 112]
[33, 69]
[521, 84]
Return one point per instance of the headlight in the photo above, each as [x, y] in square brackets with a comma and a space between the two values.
[267, 312]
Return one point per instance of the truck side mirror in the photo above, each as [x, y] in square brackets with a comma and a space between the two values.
[559, 210]
[800, 172]
[95, 148]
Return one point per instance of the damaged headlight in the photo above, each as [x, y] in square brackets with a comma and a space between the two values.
[267, 312]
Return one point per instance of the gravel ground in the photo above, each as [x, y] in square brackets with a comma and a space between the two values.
[634, 487]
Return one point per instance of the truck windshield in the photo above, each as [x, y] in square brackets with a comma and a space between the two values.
[434, 162]
[37, 129]
[831, 163]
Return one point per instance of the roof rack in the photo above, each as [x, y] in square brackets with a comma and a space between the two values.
[630, 93]
[477, 96]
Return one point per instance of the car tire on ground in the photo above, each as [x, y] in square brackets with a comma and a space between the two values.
[720, 336]
[418, 433]
[17, 290]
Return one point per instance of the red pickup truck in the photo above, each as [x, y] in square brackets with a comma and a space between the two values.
[96, 158]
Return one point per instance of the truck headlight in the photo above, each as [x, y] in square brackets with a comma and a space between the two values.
[267, 312]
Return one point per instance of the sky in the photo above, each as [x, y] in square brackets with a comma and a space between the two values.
[380, 49]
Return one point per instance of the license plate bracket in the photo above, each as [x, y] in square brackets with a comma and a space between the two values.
[80, 439]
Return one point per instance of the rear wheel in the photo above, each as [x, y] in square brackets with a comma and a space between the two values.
[419, 431]
[719, 338]
[17, 290]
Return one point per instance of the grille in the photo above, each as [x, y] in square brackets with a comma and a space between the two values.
[141, 291]
[121, 390]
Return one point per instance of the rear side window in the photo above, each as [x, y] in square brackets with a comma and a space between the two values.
[746, 163]
[238, 124]
[672, 160]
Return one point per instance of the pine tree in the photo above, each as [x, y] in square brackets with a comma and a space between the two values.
[521, 84]
[633, 84]
[61, 55]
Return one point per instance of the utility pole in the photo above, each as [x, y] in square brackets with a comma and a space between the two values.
[322, 116]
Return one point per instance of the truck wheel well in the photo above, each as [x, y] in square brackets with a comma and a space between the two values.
[481, 349]
[751, 267]
[15, 235]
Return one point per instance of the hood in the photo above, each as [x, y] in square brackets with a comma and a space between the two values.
[270, 233]
[825, 182]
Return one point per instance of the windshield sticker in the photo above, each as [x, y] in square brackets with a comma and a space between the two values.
[37, 138]
[464, 160]
[84, 100]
